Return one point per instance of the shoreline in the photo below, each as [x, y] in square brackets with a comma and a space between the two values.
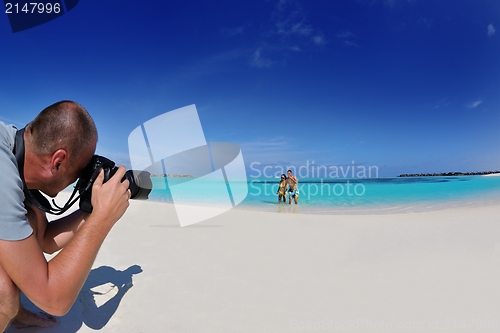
[375, 209]
[271, 205]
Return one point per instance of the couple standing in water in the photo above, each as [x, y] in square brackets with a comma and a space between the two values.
[288, 185]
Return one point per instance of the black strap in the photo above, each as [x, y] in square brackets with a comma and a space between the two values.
[31, 197]
[19, 151]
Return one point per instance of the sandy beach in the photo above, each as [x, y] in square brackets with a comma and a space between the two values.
[249, 271]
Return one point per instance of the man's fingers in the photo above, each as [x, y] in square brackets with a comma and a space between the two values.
[119, 173]
[100, 178]
[126, 183]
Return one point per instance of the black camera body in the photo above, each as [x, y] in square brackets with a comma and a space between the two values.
[140, 184]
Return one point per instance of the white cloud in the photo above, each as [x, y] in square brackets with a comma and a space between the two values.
[425, 21]
[9, 121]
[319, 40]
[289, 31]
[350, 43]
[266, 150]
[210, 65]
[277, 151]
[301, 29]
[443, 103]
[260, 62]
[347, 36]
[475, 104]
[491, 30]
[290, 20]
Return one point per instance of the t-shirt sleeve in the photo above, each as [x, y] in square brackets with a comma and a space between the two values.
[13, 222]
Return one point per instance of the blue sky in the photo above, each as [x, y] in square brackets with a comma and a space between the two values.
[407, 86]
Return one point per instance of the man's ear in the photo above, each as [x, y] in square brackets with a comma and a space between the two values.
[59, 157]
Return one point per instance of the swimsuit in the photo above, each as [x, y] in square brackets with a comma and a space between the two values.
[282, 188]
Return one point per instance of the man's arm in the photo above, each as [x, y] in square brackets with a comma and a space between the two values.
[54, 286]
[55, 235]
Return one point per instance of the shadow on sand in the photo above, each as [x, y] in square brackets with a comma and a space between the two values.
[96, 304]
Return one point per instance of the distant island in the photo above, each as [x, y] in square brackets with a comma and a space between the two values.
[175, 175]
[444, 174]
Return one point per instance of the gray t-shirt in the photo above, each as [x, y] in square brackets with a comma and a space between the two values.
[13, 222]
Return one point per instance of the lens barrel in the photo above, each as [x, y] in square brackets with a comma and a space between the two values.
[140, 184]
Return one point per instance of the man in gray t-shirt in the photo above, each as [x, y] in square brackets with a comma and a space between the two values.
[58, 143]
[13, 221]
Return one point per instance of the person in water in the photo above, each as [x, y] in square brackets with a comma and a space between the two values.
[293, 183]
[282, 188]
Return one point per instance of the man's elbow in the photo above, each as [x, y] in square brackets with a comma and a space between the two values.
[58, 309]
[54, 300]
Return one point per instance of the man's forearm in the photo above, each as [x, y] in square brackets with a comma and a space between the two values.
[69, 269]
[60, 232]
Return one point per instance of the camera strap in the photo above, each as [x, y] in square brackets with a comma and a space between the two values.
[34, 197]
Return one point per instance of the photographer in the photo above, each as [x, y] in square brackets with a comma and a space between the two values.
[58, 144]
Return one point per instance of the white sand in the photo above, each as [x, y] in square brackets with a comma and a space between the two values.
[269, 272]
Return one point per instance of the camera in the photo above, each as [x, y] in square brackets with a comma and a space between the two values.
[140, 184]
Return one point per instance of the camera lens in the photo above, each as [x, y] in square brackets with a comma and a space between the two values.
[140, 184]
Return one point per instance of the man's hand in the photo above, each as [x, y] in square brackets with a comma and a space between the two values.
[110, 200]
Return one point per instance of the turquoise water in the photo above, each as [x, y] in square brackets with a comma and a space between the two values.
[337, 195]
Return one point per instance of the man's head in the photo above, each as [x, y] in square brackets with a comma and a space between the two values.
[61, 140]
[289, 172]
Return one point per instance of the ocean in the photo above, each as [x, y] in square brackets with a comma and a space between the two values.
[346, 196]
